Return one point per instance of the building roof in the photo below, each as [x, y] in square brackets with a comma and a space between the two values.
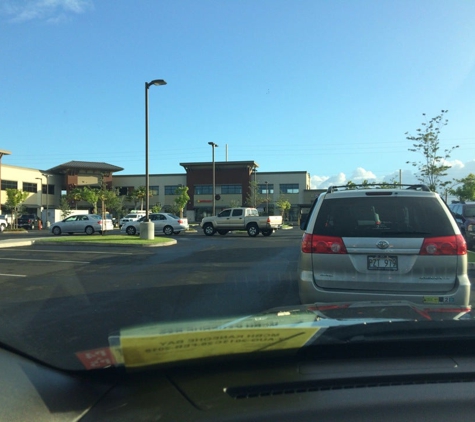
[219, 164]
[84, 165]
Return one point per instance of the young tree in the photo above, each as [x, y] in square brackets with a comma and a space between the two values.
[174, 209]
[75, 195]
[466, 192]
[284, 205]
[115, 204]
[15, 199]
[156, 208]
[182, 198]
[64, 206]
[234, 203]
[253, 198]
[140, 194]
[91, 195]
[434, 165]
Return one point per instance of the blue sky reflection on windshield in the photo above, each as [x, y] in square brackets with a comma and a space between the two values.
[332, 86]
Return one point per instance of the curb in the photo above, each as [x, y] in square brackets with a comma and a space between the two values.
[12, 243]
[157, 245]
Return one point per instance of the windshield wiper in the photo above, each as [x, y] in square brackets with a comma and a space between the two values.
[400, 331]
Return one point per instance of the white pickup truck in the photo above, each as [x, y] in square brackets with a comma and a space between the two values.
[133, 216]
[241, 219]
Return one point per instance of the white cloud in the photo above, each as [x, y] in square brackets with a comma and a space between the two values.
[360, 174]
[406, 177]
[52, 11]
[320, 182]
[458, 170]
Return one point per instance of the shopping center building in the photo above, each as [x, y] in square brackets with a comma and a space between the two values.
[236, 183]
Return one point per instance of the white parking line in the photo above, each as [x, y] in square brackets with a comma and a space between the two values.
[69, 251]
[44, 260]
[12, 275]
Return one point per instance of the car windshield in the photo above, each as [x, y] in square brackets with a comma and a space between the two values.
[207, 131]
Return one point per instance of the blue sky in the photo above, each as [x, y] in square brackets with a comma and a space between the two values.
[329, 87]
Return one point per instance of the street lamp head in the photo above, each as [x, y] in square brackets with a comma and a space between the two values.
[212, 144]
[156, 82]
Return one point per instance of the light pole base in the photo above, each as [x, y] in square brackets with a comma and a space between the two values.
[147, 230]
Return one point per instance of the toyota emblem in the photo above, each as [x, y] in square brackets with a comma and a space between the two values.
[383, 244]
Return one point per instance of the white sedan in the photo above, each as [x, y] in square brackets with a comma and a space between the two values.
[164, 223]
[82, 223]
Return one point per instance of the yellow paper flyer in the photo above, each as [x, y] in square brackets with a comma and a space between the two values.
[140, 351]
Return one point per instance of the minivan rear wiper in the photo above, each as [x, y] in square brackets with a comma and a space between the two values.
[407, 232]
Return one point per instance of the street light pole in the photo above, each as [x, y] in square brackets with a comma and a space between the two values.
[267, 198]
[213, 146]
[255, 187]
[41, 196]
[47, 196]
[147, 228]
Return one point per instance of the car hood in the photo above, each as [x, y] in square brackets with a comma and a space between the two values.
[280, 329]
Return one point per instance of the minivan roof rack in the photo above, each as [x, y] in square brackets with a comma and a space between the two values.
[420, 187]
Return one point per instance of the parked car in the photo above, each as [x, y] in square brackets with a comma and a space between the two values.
[82, 223]
[164, 222]
[465, 217]
[241, 218]
[131, 217]
[3, 223]
[27, 221]
[382, 244]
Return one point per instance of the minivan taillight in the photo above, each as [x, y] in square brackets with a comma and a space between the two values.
[313, 243]
[444, 245]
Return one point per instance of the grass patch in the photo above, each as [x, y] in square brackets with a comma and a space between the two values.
[107, 239]
[471, 256]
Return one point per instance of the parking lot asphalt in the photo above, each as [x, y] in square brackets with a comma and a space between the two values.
[29, 238]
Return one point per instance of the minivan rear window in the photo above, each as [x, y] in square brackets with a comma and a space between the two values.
[382, 216]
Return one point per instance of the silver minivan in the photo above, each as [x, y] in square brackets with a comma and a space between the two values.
[374, 243]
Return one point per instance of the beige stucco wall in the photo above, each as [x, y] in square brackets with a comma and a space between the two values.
[28, 175]
[160, 180]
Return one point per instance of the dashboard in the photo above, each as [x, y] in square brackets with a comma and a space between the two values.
[347, 385]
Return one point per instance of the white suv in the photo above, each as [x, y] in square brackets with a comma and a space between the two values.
[364, 243]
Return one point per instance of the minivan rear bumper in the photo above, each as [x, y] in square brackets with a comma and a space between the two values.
[309, 293]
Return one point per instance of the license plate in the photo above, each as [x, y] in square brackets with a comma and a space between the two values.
[382, 262]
